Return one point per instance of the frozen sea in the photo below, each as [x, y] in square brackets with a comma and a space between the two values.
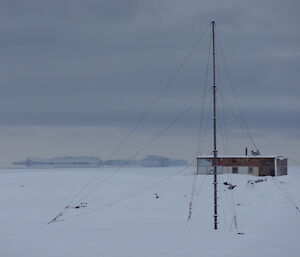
[142, 225]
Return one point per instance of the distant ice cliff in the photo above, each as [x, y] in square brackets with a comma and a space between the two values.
[91, 161]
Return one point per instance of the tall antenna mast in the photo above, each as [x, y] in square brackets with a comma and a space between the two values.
[215, 130]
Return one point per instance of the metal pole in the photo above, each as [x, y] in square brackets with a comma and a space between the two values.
[215, 130]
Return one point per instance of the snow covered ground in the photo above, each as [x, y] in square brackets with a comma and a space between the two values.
[143, 225]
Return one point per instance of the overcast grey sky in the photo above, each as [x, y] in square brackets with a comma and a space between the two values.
[75, 76]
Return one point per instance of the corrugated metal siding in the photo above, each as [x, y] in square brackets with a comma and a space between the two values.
[282, 166]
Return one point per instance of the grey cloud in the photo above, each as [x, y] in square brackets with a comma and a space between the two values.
[72, 63]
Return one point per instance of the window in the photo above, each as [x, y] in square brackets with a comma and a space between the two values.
[250, 170]
[235, 170]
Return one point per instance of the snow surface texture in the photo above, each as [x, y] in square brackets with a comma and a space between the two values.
[144, 225]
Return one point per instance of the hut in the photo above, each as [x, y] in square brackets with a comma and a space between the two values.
[251, 165]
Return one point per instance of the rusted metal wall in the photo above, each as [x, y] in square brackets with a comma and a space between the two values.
[249, 162]
[267, 167]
